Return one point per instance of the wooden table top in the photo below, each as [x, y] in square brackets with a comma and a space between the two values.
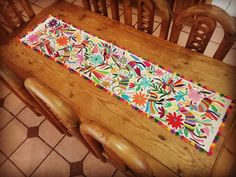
[171, 155]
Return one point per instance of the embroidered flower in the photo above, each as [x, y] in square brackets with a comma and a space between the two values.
[96, 59]
[33, 38]
[159, 73]
[194, 95]
[139, 99]
[52, 23]
[62, 41]
[174, 120]
[145, 82]
[106, 84]
[122, 60]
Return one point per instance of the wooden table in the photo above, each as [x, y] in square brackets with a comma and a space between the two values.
[168, 155]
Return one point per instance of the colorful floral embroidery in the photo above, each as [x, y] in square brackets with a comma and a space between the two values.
[139, 99]
[62, 41]
[33, 38]
[188, 110]
[52, 23]
[174, 120]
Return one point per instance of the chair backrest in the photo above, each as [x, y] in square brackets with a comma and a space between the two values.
[146, 12]
[116, 149]
[204, 24]
[16, 85]
[12, 15]
[99, 6]
[58, 108]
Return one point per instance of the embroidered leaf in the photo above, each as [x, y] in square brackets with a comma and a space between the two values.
[180, 131]
[214, 108]
[186, 132]
[168, 104]
[198, 132]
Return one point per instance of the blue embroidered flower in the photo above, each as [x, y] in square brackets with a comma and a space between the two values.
[96, 59]
[145, 82]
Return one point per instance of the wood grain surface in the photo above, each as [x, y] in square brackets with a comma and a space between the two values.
[170, 156]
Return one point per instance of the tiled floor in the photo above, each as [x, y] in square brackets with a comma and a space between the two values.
[31, 146]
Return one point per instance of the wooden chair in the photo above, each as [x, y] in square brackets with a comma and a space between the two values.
[116, 149]
[204, 24]
[16, 85]
[59, 110]
[12, 16]
[146, 12]
[99, 6]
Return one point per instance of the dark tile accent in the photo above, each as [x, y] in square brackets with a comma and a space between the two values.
[33, 132]
[76, 168]
[2, 102]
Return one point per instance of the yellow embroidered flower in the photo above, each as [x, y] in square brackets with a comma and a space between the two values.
[106, 84]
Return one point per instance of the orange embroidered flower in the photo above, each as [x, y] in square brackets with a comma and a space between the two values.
[139, 99]
[62, 41]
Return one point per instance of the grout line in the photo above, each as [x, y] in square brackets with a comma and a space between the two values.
[17, 167]
[41, 162]
[73, 2]
[3, 160]
[85, 156]
[8, 157]
[14, 116]
[37, 5]
[114, 172]
[52, 150]
[34, 1]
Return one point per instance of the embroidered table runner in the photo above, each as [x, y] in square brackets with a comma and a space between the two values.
[184, 108]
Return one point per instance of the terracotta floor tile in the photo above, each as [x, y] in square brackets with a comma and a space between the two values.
[217, 35]
[49, 133]
[2, 158]
[72, 149]
[230, 58]
[78, 3]
[5, 117]
[54, 165]
[76, 168]
[9, 170]
[186, 29]
[36, 9]
[157, 18]
[183, 39]
[33, 132]
[93, 167]
[70, 1]
[30, 154]
[29, 118]
[110, 14]
[119, 174]
[211, 49]
[12, 136]
[157, 28]
[45, 3]
[33, 1]
[13, 104]
[4, 91]
[234, 46]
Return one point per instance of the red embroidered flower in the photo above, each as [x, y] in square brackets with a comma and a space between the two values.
[174, 120]
[62, 41]
[139, 99]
